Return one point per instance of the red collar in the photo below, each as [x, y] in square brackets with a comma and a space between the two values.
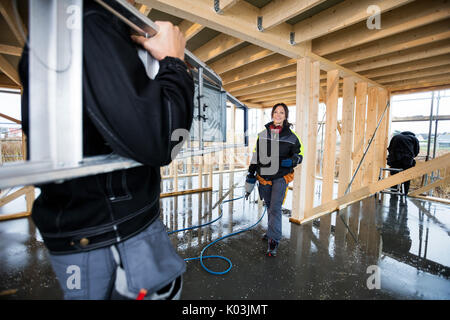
[275, 128]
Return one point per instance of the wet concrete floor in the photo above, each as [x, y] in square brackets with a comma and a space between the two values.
[400, 252]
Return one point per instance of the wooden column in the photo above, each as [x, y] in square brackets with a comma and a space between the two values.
[348, 122]
[233, 137]
[211, 169]
[359, 133]
[175, 174]
[261, 121]
[311, 153]
[369, 161]
[330, 135]
[381, 150]
[301, 127]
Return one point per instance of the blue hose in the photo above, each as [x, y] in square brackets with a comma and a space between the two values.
[201, 257]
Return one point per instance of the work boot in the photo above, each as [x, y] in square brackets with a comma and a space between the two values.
[272, 248]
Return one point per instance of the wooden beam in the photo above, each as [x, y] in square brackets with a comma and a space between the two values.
[145, 10]
[417, 74]
[330, 135]
[263, 87]
[303, 109]
[288, 103]
[278, 96]
[424, 81]
[408, 66]
[10, 118]
[279, 11]
[311, 156]
[15, 195]
[6, 82]
[189, 29]
[239, 22]
[386, 126]
[346, 147]
[250, 53]
[270, 92]
[226, 4]
[23, 214]
[371, 124]
[10, 50]
[421, 52]
[381, 138]
[215, 47]
[267, 64]
[7, 11]
[420, 169]
[340, 16]
[278, 74]
[442, 200]
[360, 132]
[9, 70]
[180, 193]
[275, 99]
[422, 89]
[414, 15]
[402, 41]
[430, 186]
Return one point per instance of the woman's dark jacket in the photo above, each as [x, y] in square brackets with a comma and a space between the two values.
[124, 112]
[271, 149]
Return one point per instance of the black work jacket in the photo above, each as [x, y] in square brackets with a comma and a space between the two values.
[271, 149]
[126, 113]
[403, 148]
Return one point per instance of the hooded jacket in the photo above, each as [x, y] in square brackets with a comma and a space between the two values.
[403, 148]
[124, 112]
[271, 148]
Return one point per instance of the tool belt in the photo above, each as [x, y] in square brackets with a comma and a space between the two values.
[288, 178]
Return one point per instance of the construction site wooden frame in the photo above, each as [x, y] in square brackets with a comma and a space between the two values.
[303, 53]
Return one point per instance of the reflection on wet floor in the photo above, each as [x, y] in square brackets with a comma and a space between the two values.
[406, 244]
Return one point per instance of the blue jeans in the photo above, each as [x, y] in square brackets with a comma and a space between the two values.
[273, 196]
[147, 260]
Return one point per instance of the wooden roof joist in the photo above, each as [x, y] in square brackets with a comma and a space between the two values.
[340, 16]
[274, 98]
[216, 47]
[262, 66]
[10, 50]
[279, 11]
[240, 22]
[265, 87]
[246, 55]
[408, 66]
[422, 82]
[222, 5]
[421, 52]
[421, 89]
[278, 74]
[7, 11]
[9, 70]
[417, 74]
[414, 15]
[189, 29]
[402, 41]
[269, 92]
